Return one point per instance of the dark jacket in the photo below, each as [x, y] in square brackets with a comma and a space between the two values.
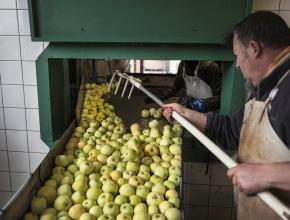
[226, 129]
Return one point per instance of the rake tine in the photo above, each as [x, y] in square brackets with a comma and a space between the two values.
[118, 85]
[111, 81]
[125, 86]
[131, 90]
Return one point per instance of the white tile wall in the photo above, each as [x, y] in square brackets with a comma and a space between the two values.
[23, 19]
[15, 118]
[7, 4]
[31, 98]
[5, 181]
[35, 159]
[285, 5]
[29, 73]
[266, 4]
[17, 140]
[22, 4]
[2, 119]
[17, 179]
[11, 72]
[18, 161]
[8, 20]
[1, 100]
[35, 144]
[32, 116]
[30, 50]
[9, 48]
[3, 145]
[13, 96]
[4, 161]
[286, 16]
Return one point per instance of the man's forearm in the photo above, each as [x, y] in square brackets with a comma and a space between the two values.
[196, 118]
[279, 175]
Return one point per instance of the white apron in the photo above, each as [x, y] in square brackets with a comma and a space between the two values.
[259, 143]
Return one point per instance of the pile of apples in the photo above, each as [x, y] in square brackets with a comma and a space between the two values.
[151, 112]
[108, 173]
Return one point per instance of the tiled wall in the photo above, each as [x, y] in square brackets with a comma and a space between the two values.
[21, 149]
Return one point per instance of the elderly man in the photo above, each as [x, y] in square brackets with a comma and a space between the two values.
[261, 129]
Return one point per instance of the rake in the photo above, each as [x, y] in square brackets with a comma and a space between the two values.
[272, 201]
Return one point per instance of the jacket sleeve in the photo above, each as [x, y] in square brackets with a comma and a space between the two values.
[225, 130]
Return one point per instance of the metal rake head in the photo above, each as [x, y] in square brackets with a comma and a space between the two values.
[128, 79]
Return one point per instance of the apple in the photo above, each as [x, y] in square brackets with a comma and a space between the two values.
[61, 214]
[88, 203]
[127, 136]
[105, 198]
[167, 165]
[164, 205]
[76, 211]
[95, 183]
[127, 190]
[47, 216]
[173, 170]
[110, 187]
[115, 144]
[94, 153]
[106, 217]
[62, 203]
[157, 114]
[147, 161]
[158, 187]
[151, 149]
[175, 202]
[176, 162]
[67, 180]
[163, 149]
[153, 166]
[86, 167]
[129, 154]
[151, 111]
[123, 216]
[167, 157]
[115, 175]
[135, 129]
[155, 179]
[153, 124]
[152, 210]
[146, 132]
[134, 143]
[120, 200]
[105, 124]
[61, 160]
[167, 133]
[52, 183]
[50, 210]
[169, 184]
[47, 192]
[165, 142]
[103, 179]
[171, 193]
[149, 185]
[132, 166]
[141, 207]
[94, 176]
[38, 205]
[144, 175]
[177, 140]
[93, 193]
[97, 166]
[81, 177]
[149, 140]
[96, 211]
[78, 197]
[30, 216]
[80, 186]
[111, 127]
[158, 216]
[111, 208]
[64, 189]
[136, 181]
[175, 149]
[127, 209]
[107, 150]
[154, 198]
[161, 171]
[142, 191]
[119, 130]
[106, 170]
[102, 158]
[87, 216]
[173, 214]
[122, 181]
[175, 179]
[141, 216]
[112, 161]
[87, 148]
[156, 159]
[145, 113]
[58, 169]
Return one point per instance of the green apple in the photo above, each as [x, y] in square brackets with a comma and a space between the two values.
[127, 190]
[80, 186]
[173, 170]
[157, 114]
[151, 149]
[94, 153]
[153, 124]
[88, 147]
[106, 170]
[142, 191]
[171, 193]
[145, 113]
[128, 174]
[147, 161]
[132, 166]
[160, 188]
[175, 202]
[119, 130]
[175, 149]
[81, 177]
[153, 209]
[175, 179]
[102, 158]
[165, 141]
[167, 157]
[38, 205]
[76, 211]
[151, 111]
[141, 216]
[154, 132]
[169, 184]
[156, 159]
[148, 184]
[88, 203]
[78, 197]
[105, 198]
[164, 205]
[67, 180]
[110, 187]
[113, 160]
[47, 216]
[167, 133]
[61, 214]
[58, 169]
[52, 183]
[87, 216]
[177, 140]
[158, 216]
[135, 143]
[141, 207]
[136, 181]
[154, 198]
[127, 136]
[163, 149]
[111, 208]
[64, 189]
[107, 150]
[144, 175]
[162, 172]
[96, 211]
[115, 175]
[156, 179]
[86, 167]
[30, 216]
[134, 200]
[176, 162]
[106, 217]
[123, 216]
[61, 160]
[173, 214]
[120, 200]
[50, 210]
[57, 177]
[146, 132]
[122, 181]
[94, 176]
[47, 192]
[80, 160]
[93, 193]
[149, 140]
[167, 165]
[127, 208]
[62, 203]
[129, 154]
[153, 166]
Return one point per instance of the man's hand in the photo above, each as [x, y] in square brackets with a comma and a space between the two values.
[250, 178]
[169, 108]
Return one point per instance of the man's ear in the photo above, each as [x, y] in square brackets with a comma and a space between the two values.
[255, 49]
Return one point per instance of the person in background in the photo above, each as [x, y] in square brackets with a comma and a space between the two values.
[260, 131]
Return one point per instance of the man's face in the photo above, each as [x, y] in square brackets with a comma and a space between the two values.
[244, 60]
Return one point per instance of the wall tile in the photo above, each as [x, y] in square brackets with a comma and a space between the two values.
[7, 4]
[18, 162]
[219, 175]
[15, 118]
[3, 145]
[196, 194]
[10, 72]
[4, 161]
[219, 213]
[221, 196]
[31, 98]
[2, 124]
[32, 116]
[9, 48]
[17, 179]
[35, 143]
[198, 173]
[30, 50]
[285, 5]
[16, 140]
[266, 4]
[286, 16]
[35, 159]
[4, 197]
[1, 97]
[8, 20]
[29, 73]
[23, 19]
[5, 181]
[22, 4]
[13, 96]
[195, 212]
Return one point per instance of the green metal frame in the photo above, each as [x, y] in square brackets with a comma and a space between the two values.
[53, 82]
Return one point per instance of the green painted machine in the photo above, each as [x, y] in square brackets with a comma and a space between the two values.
[107, 29]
